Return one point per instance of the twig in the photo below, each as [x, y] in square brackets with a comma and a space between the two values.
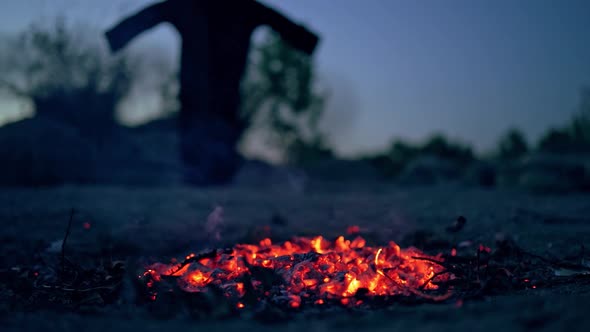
[433, 277]
[435, 298]
[91, 289]
[555, 262]
[478, 263]
[198, 257]
[63, 243]
[428, 259]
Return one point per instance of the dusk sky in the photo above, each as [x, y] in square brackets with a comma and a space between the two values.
[467, 68]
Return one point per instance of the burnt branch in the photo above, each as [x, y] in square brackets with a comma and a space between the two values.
[63, 243]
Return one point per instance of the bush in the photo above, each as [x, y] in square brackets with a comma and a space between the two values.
[512, 146]
[436, 150]
[281, 99]
[66, 77]
[575, 137]
[444, 149]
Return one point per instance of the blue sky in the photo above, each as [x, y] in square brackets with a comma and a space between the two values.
[402, 68]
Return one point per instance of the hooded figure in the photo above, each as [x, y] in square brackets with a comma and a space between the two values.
[215, 42]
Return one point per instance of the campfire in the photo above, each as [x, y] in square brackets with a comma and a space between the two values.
[305, 272]
[273, 281]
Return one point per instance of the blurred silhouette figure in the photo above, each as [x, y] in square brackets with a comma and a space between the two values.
[215, 42]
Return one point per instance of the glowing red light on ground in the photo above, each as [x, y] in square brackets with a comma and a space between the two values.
[309, 271]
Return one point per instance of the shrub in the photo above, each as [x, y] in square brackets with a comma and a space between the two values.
[512, 145]
[281, 99]
[66, 77]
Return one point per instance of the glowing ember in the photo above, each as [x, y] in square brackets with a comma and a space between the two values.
[307, 271]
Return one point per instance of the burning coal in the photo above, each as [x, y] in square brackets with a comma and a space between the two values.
[304, 272]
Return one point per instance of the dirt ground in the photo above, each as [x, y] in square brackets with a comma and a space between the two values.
[138, 224]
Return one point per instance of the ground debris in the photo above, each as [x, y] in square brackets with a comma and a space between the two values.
[55, 282]
[509, 267]
[71, 288]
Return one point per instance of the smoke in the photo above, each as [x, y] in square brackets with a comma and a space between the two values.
[214, 223]
[341, 110]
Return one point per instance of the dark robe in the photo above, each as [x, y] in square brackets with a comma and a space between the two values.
[215, 42]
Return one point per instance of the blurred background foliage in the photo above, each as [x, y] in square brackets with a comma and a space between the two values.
[512, 146]
[66, 77]
[281, 98]
[575, 136]
[70, 78]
